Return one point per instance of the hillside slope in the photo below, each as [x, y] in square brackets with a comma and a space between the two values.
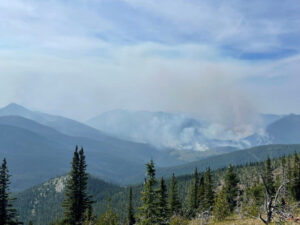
[255, 154]
[36, 153]
[42, 203]
[285, 131]
[61, 124]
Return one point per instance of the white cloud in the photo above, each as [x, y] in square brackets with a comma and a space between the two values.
[81, 57]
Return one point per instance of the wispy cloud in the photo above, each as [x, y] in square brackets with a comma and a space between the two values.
[172, 55]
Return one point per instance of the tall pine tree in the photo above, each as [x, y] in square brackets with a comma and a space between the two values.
[76, 202]
[208, 190]
[163, 209]
[221, 208]
[83, 198]
[201, 193]
[295, 182]
[148, 214]
[130, 210]
[231, 188]
[8, 214]
[269, 178]
[194, 194]
[174, 202]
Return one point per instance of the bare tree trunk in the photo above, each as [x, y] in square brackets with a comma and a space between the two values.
[271, 201]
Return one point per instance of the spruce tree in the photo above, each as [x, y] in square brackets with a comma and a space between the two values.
[148, 212]
[8, 214]
[201, 193]
[174, 202]
[163, 208]
[84, 199]
[76, 201]
[290, 177]
[269, 178]
[194, 197]
[221, 208]
[208, 190]
[130, 211]
[284, 178]
[231, 188]
[296, 177]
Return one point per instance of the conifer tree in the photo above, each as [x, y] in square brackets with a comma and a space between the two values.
[295, 182]
[163, 209]
[201, 193]
[174, 202]
[70, 204]
[76, 201]
[283, 164]
[90, 217]
[290, 177]
[269, 178]
[109, 217]
[30, 223]
[193, 198]
[148, 214]
[208, 190]
[231, 188]
[85, 201]
[8, 214]
[221, 208]
[130, 211]
[284, 178]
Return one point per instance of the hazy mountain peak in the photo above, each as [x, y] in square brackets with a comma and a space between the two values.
[14, 108]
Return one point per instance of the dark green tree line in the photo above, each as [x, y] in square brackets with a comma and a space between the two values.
[8, 214]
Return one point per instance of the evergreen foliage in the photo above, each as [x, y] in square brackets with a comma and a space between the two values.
[151, 198]
[269, 177]
[77, 202]
[8, 214]
[174, 201]
[231, 188]
[208, 190]
[148, 212]
[90, 217]
[163, 207]
[295, 178]
[221, 208]
[109, 217]
[130, 212]
[194, 194]
[253, 200]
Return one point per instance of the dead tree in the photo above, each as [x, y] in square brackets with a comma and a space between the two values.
[272, 205]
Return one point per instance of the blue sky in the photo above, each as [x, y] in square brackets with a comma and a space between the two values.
[82, 57]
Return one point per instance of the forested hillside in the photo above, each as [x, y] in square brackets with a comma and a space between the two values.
[42, 204]
[240, 157]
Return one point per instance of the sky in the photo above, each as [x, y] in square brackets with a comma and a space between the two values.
[213, 58]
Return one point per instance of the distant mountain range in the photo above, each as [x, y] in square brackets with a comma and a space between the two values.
[39, 146]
